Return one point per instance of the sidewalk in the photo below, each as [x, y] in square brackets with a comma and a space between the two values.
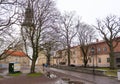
[24, 79]
[74, 76]
[88, 78]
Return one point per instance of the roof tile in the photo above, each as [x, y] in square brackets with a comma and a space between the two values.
[15, 53]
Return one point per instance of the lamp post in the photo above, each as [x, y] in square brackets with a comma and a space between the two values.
[92, 52]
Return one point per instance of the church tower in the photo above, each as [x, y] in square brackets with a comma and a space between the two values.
[28, 20]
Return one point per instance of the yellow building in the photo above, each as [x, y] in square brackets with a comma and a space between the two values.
[41, 58]
[75, 57]
[100, 57]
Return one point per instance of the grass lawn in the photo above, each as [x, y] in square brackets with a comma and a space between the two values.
[111, 73]
[15, 74]
[1, 76]
[35, 74]
[108, 71]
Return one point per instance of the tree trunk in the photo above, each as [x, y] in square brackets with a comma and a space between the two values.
[32, 70]
[84, 53]
[48, 59]
[85, 61]
[68, 51]
[85, 64]
[112, 58]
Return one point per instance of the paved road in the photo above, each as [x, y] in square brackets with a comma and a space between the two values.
[88, 78]
[74, 76]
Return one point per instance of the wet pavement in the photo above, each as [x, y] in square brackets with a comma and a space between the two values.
[57, 77]
[3, 72]
[88, 78]
[24, 79]
[27, 80]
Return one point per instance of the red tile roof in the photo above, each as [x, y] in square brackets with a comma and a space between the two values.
[15, 53]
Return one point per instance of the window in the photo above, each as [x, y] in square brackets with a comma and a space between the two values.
[65, 53]
[118, 60]
[104, 49]
[108, 60]
[73, 52]
[90, 60]
[99, 60]
[118, 65]
[98, 49]
[92, 50]
[74, 61]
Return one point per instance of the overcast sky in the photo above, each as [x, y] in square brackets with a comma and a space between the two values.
[89, 10]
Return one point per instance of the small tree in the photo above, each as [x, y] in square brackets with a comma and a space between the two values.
[85, 34]
[109, 29]
[48, 49]
[67, 31]
[50, 41]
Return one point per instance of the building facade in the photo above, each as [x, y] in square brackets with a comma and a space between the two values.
[99, 58]
[75, 57]
[15, 56]
[42, 59]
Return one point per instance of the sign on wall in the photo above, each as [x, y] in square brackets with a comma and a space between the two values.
[17, 67]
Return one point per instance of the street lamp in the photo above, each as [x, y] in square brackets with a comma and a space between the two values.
[92, 52]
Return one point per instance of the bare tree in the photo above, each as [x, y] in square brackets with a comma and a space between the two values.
[85, 34]
[68, 31]
[12, 45]
[39, 16]
[48, 50]
[50, 43]
[8, 1]
[8, 17]
[109, 29]
[8, 13]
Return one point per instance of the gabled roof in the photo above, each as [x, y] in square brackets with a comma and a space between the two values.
[15, 53]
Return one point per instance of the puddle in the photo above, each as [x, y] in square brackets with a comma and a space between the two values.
[53, 76]
[50, 75]
[67, 81]
[61, 82]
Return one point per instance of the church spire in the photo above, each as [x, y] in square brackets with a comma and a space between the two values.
[28, 21]
[28, 3]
